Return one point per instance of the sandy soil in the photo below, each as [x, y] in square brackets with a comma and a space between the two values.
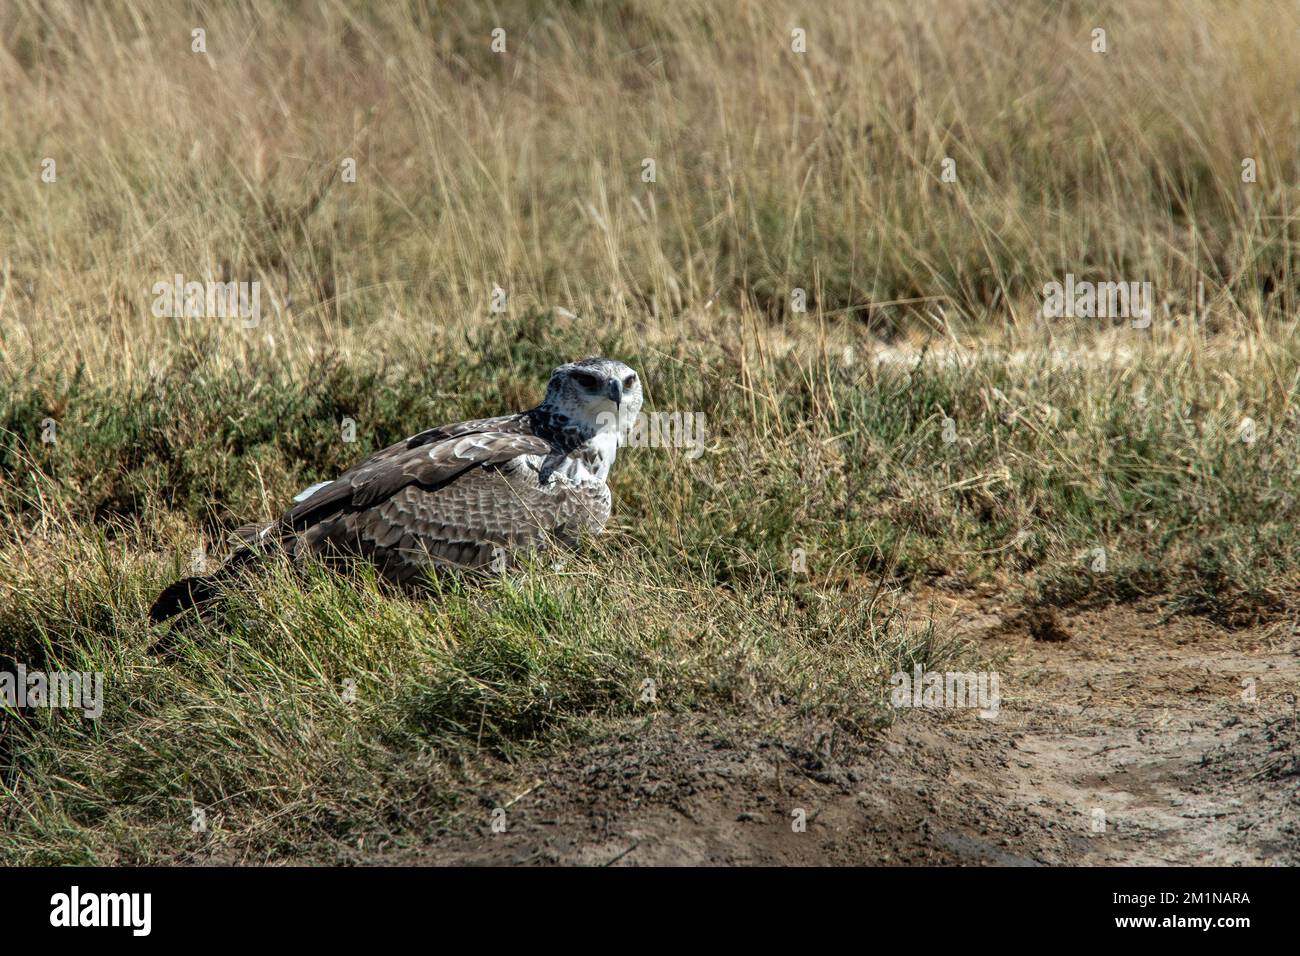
[1123, 737]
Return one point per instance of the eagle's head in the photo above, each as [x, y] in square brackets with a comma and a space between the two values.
[601, 394]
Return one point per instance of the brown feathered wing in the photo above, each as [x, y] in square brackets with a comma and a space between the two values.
[468, 494]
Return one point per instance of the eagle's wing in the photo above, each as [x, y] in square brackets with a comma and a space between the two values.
[452, 494]
[429, 459]
[460, 494]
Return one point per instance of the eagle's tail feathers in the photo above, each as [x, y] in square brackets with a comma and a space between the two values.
[177, 598]
[201, 591]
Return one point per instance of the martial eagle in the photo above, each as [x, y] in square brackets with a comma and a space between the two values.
[470, 495]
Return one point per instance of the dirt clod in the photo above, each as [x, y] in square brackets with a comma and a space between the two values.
[1044, 625]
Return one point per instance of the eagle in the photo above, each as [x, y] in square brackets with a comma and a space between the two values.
[474, 495]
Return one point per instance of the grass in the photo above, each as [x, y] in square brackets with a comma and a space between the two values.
[919, 426]
[693, 589]
[317, 708]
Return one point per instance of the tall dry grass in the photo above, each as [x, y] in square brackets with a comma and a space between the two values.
[522, 170]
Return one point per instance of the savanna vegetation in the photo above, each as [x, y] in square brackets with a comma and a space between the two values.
[913, 423]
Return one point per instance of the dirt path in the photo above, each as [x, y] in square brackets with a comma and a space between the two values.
[1164, 741]
[1133, 740]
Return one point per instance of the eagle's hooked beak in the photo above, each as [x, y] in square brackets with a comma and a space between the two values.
[614, 389]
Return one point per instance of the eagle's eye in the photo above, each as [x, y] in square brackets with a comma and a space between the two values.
[630, 381]
[586, 381]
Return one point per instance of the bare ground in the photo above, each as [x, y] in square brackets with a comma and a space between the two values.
[1129, 738]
